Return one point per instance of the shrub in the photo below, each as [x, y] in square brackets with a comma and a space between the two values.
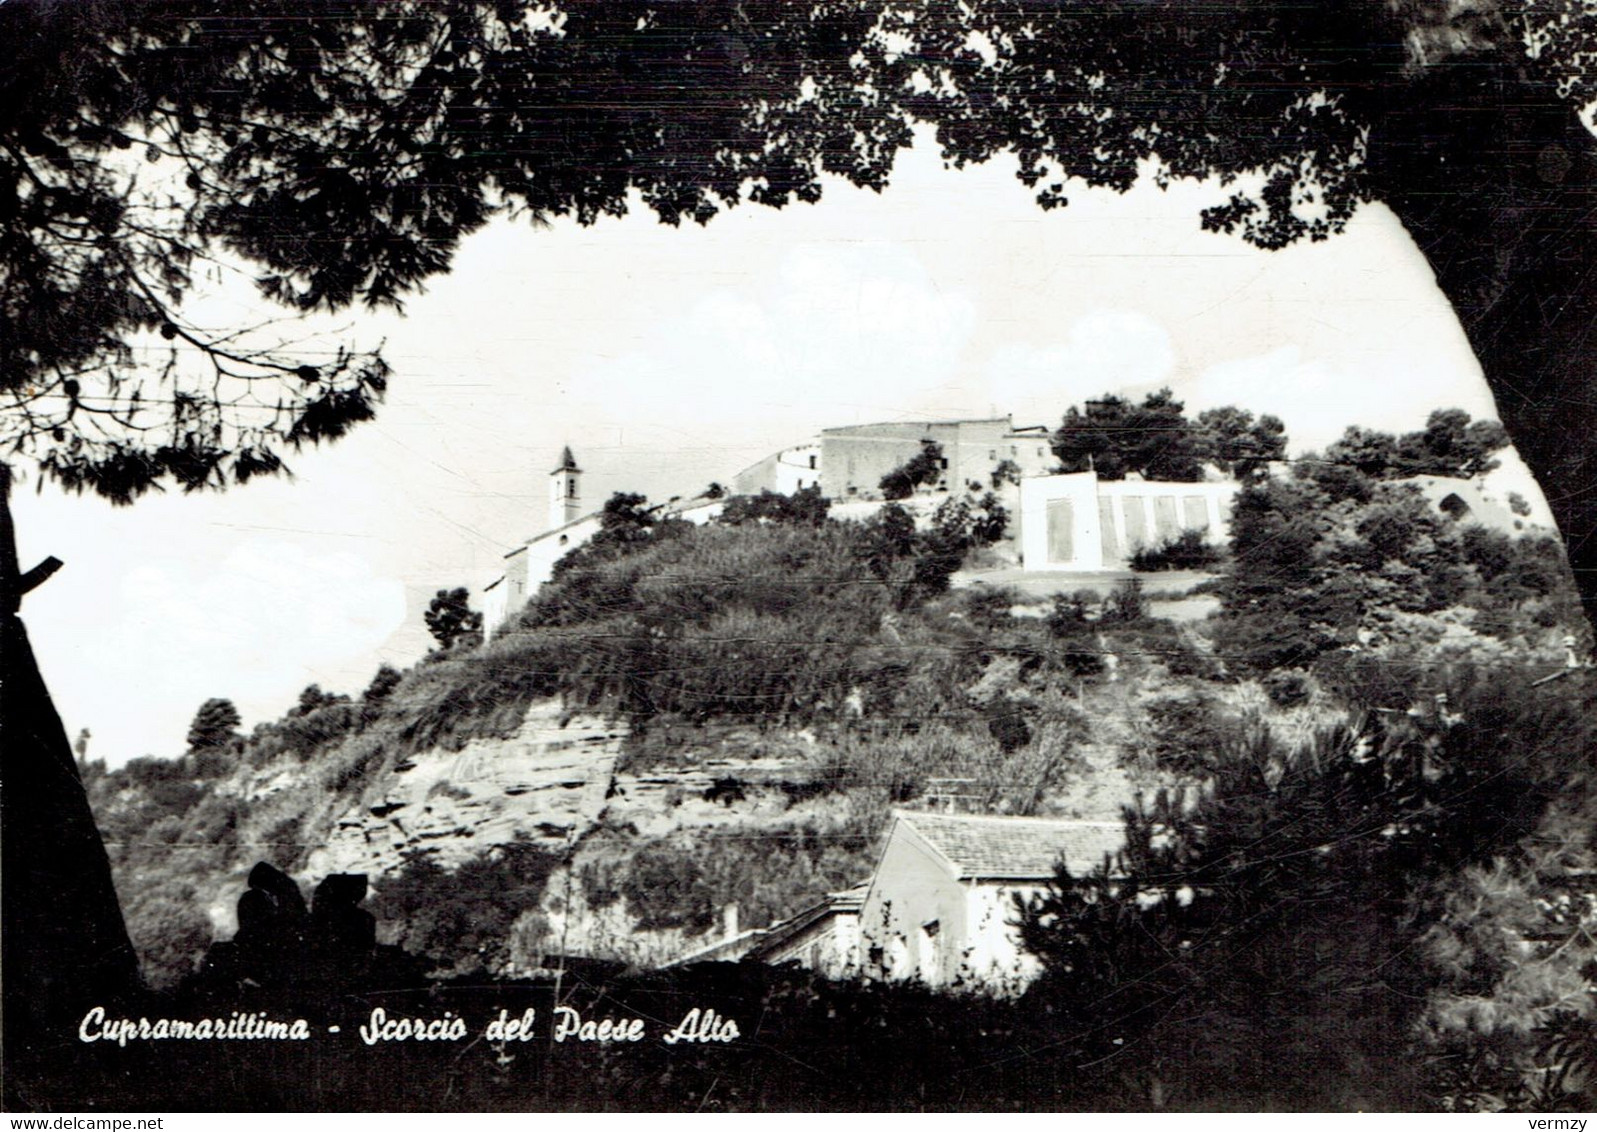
[307, 730]
[1287, 689]
[925, 467]
[463, 918]
[1007, 725]
[1188, 735]
[1190, 550]
[664, 887]
[1126, 603]
[989, 606]
[806, 507]
[170, 931]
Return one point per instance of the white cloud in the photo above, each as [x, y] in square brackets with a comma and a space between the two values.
[183, 632]
[1106, 349]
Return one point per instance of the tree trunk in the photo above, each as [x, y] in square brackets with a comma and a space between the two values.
[1495, 177]
[65, 946]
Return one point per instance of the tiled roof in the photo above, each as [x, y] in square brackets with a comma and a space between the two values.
[1016, 848]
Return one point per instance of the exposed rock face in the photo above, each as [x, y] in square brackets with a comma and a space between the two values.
[547, 783]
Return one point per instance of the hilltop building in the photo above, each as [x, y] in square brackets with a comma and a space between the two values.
[784, 472]
[854, 458]
[532, 563]
[564, 498]
[1064, 522]
[1078, 522]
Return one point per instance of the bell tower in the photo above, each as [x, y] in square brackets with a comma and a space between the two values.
[564, 502]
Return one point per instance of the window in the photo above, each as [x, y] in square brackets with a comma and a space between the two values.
[930, 968]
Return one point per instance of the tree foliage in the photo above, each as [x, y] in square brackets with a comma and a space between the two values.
[464, 916]
[1238, 444]
[1299, 912]
[626, 524]
[1158, 441]
[340, 159]
[1190, 550]
[1115, 437]
[920, 470]
[450, 618]
[805, 507]
[215, 725]
[1330, 558]
[1450, 444]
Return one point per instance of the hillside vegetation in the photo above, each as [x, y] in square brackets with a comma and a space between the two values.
[781, 680]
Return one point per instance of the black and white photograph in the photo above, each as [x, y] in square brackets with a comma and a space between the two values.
[798, 555]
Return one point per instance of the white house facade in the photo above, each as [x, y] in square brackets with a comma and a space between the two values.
[940, 906]
[1079, 522]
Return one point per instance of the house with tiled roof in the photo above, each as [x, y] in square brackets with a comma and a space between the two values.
[940, 906]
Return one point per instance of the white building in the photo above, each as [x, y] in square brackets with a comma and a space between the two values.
[1063, 522]
[940, 906]
[532, 563]
[1079, 522]
[791, 469]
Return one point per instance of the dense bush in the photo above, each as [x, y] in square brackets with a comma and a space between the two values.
[462, 918]
[767, 621]
[923, 468]
[1188, 735]
[1334, 906]
[963, 523]
[1287, 688]
[1316, 567]
[664, 887]
[315, 726]
[806, 507]
[769, 871]
[1190, 550]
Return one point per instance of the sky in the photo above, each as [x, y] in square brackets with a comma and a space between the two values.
[670, 357]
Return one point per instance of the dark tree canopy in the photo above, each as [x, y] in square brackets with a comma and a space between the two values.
[1158, 441]
[1450, 444]
[806, 507]
[215, 724]
[1115, 437]
[1284, 918]
[450, 618]
[1238, 444]
[341, 158]
[922, 469]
